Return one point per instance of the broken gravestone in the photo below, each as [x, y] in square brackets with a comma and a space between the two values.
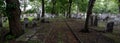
[26, 21]
[96, 21]
[0, 22]
[110, 26]
[91, 21]
[34, 23]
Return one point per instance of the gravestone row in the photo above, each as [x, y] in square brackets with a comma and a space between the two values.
[94, 20]
[110, 24]
[26, 23]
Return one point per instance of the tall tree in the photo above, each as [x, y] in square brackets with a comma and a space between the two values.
[43, 11]
[1, 10]
[13, 12]
[0, 20]
[69, 10]
[89, 12]
[53, 6]
[119, 5]
[25, 4]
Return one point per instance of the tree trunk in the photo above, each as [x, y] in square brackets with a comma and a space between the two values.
[89, 12]
[53, 6]
[91, 20]
[43, 11]
[13, 12]
[69, 10]
[38, 14]
[0, 20]
[25, 5]
[96, 21]
[119, 5]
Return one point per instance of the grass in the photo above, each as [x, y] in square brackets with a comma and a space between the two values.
[27, 32]
[29, 18]
[34, 41]
[60, 37]
[101, 26]
[6, 23]
[115, 35]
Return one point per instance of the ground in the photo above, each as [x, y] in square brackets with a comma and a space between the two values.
[62, 31]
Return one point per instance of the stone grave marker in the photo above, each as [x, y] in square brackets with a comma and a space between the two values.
[26, 21]
[109, 27]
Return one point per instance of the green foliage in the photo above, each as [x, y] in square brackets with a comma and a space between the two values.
[61, 6]
[106, 6]
[2, 7]
[31, 0]
[9, 37]
[30, 11]
[82, 5]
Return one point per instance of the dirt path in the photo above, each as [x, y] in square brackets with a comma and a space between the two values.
[60, 34]
[58, 31]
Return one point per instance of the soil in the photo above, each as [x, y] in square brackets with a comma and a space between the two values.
[57, 31]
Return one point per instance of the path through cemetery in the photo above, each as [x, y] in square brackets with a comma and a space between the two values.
[63, 31]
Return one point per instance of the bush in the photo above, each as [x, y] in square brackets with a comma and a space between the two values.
[10, 37]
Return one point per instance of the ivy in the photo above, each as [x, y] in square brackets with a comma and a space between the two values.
[2, 7]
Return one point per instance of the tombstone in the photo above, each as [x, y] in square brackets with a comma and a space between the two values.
[110, 26]
[96, 21]
[38, 16]
[91, 21]
[0, 22]
[106, 19]
[4, 19]
[45, 21]
[26, 21]
[34, 23]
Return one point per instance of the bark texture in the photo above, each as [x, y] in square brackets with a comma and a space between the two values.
[69, 9]
[0, 20]
[13, 12]
[89, 12]
[43, 11]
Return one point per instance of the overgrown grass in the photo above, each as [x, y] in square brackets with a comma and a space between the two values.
[60, 38]
[6, 23]
[29, 18]
[101, 26]
[34, 41]
[115, 35]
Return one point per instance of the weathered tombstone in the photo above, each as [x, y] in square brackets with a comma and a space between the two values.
[0, 22]
[110, 26]
[44, 21]
[4, 19]
[38, 16]
[34, 23]
[106, 19]
[96, 21]
[26, 21]
[91, 21]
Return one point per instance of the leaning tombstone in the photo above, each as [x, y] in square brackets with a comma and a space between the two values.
[34, 23]
[96, 21]
[110, 26]
[91, 21]
[0, 22]
[26, 21]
